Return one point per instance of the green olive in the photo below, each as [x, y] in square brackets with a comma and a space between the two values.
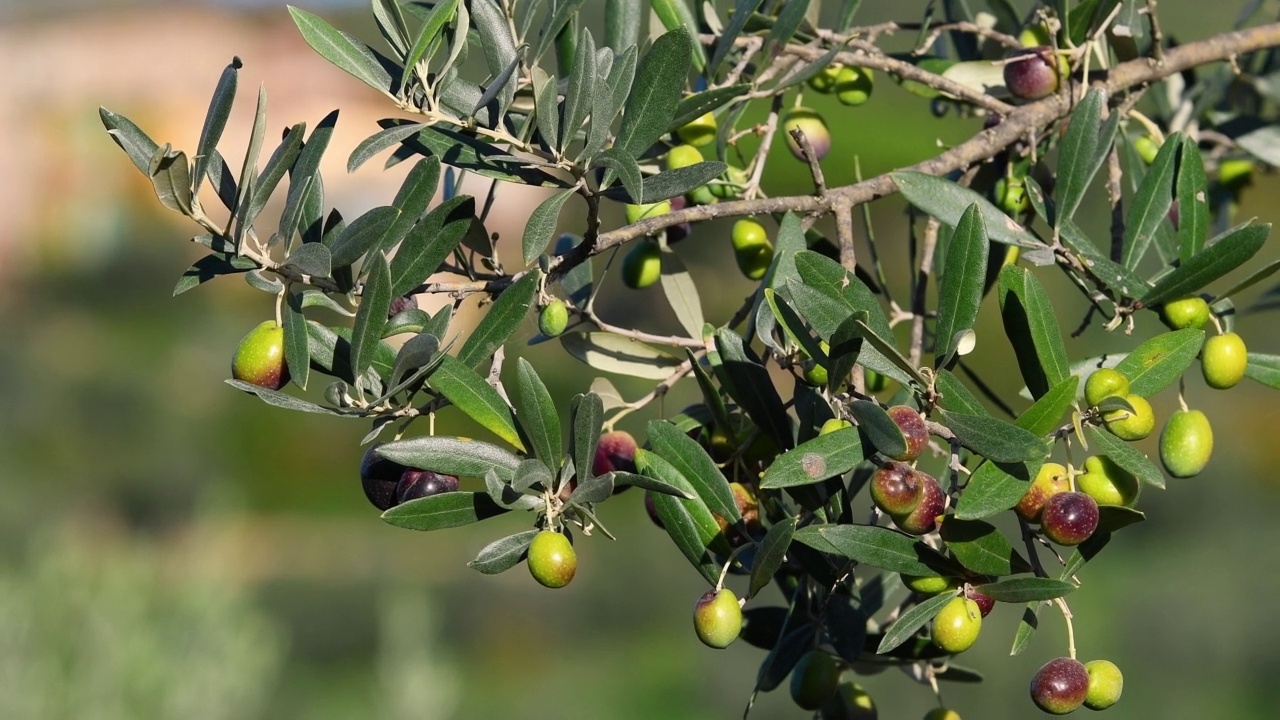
[1147, 148]
[814, 680]
[1186, 443]
[1131, 425]
[554, 318]
[956, 626]
[552, 561]
[1184, 313]
[717, 618]
[1104, 383]
[642, 266]
[636, 213]
[1223, 360]
[1108, 483]
[854, 85]
[825, 81]
[699, 132]
[1106, 683]
[259, 358]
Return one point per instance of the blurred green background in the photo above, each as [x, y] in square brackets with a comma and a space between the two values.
[172, 548]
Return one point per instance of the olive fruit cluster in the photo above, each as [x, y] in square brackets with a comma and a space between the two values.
[387, 483]
[913, 499]
[751, 248]
[1125, 424]
[259, 358]
[1066, 517]
[851, 84]
[1062, 685]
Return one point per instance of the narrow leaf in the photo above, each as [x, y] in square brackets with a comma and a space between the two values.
[537, 415]
[503, 554]
[813, 461]
[446, 510]
[1159, 362]
[506, 314]
[372, 314]
[961, 288]
[773, 551]
[912, 620]
[476, 398]
[1213, 262]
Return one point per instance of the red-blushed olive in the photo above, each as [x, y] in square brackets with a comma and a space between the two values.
[1011, 196]
[896, 488]
[1106, 684]
[717, 618]
[682, 156]
[699, 132]
[1186, 443]
[1108, 483]
[636, 213]
[833, 425]
[825, 81]
[1033, 73]
[679, 231]
[616, 450]
[1069, 518]
[642, 265]
[1104, 383]
[913, 429]
[1049, 481]
[1060, 686]
[814, 680]
[1223, 360]
[850, 702]
[809, 122]
[929, 584]
[259, 358]
[924, 518]
[553, 318]
[985, 602]
[416, 484]
[942, 714]
[955, 628]
[379, 478]
[854, 85]
[1134, 425]
[748, 506]
[400, 304]
[552, 561]
[1185, 313]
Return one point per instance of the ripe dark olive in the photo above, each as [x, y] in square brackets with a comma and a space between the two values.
[809, 122]
[814, 680]
[1051, 480]
[552, 561]
[652, 510]
[1106, 683]
[717, 618]
[554, 318]
[379, 478]
[896, 488]
[924, 518]
[1060, 686]
[955, 628]
[913, 429]
[402, 303]
[1186, 444]
[1069, 518]
[416, 484]
[616, 450]
[985, 602]
[259, 359]
[1033, 74]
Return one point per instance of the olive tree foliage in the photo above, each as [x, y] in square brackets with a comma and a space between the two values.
[593, 112]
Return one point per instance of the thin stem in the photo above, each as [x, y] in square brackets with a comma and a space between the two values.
[1071, 631]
